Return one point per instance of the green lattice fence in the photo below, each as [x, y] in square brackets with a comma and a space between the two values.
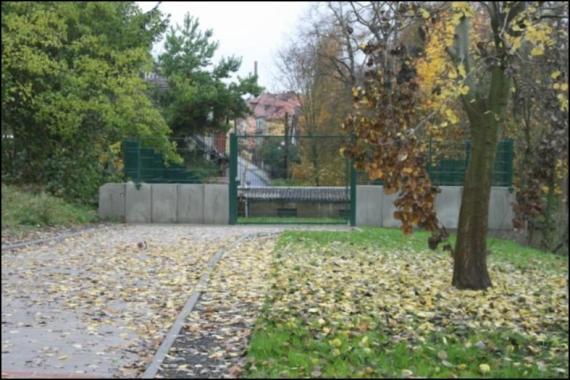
[450, 170]
[201, 163]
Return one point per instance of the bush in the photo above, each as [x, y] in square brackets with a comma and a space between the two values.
[36, 208]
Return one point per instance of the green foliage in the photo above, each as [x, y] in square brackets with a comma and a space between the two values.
[21, 209]
[200, 167]
[200, 95]
[72, 88]
[272, 153]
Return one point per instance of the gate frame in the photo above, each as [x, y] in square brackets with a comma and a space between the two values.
[234, 182]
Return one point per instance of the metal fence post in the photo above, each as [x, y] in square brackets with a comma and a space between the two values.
[352, 194]
[232, 181]
[138, 181]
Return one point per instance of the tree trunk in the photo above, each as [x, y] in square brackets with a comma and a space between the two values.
[470, 260]
[470, 257]
[286, 146]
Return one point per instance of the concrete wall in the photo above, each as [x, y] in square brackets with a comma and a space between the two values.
[500, 209]
[369, 205]
[190, 203]
[164, 203]
[448, 204]
[374, 208]
[112, 201]
[209, 204]
[138, 204]
[216, 204]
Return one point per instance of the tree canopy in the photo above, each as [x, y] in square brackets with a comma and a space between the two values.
[73, 89]
[201, 95]
[457, 81]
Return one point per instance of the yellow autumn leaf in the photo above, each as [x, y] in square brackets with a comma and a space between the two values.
[461, 69]
[407, 373]
[537, 51]
[484, 368]
[516, 43]
[424, 13]
[564, 87]
[555, 74]
[463, 89]
[451, 116]
[336, 342]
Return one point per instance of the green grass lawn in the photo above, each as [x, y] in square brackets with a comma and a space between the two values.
[24, 211]
[377, 303]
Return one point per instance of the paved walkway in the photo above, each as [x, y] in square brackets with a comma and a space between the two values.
[100, 304]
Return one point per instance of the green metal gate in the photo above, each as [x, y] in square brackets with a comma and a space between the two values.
[278, 179]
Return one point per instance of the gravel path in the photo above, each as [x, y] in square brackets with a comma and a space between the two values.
[100, 303]
[213, 341]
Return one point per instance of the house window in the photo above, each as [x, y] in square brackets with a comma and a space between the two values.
[260, 123]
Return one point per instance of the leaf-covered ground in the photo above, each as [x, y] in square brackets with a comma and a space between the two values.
[215, 335]
[100, 303]
[377, 304]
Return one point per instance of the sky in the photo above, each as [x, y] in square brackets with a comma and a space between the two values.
[253, 30]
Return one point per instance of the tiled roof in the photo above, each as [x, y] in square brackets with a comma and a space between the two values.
[274, 106]
[298, 194]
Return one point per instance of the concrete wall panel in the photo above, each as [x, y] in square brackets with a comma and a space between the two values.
[447, 204]
[388, 210]
[369, 205]
[112, 202]
[138, 203]
[500, 209]
[216, 204]
[164, 202]
[191, 203]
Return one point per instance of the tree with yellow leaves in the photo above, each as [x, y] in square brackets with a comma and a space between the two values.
[465, 71]
[309, 69]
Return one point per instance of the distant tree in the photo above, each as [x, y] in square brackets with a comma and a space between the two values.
[540, 129]
[200, 95]
[273, 154]
[310, 66]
